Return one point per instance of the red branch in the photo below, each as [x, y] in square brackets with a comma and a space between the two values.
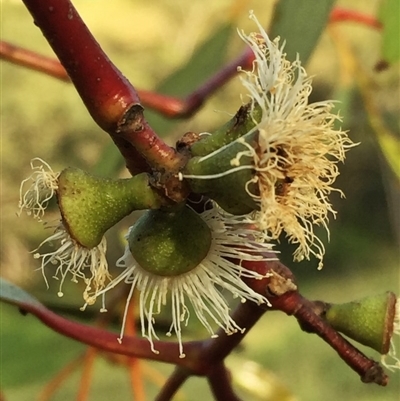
[292, 302]
[106, 93]
[169, 106]
[109, 97]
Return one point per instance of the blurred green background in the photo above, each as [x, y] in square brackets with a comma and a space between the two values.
[150, 41]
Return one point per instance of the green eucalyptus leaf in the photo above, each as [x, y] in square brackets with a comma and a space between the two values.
[300, 23]
[389, 14]
[204, 62]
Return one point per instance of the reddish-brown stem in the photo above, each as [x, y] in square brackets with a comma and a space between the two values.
[369, 370]
[220, 383]
[340, 14]
[106, 341]
[176, 108]
[167, 105]
[246, 315]
[106, 93]
[292, 303]
[32, 60]
[172, 385]
[109, 97]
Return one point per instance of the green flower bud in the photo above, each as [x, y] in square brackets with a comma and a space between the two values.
[369, 321]
[91, 205]
[241, 124]
[169, 242]
[226, 175]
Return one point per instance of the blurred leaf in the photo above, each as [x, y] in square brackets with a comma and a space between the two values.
[389, 15]
[109, 162]
[300, 23]
[205, 61]
[15, 295]
[390, 146]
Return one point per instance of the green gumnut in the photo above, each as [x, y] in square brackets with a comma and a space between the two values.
[229, 188]
[169, 242]
[368, 321]
[91, 205]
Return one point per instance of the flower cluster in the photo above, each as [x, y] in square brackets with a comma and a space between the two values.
[294, 163]
[204, 286]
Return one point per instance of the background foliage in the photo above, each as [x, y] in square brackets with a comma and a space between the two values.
[150, 42]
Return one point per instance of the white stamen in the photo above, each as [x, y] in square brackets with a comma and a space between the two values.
[36, 198]
[202, 286]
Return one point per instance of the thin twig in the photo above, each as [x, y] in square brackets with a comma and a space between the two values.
[32, 60]
[87, 374]
[340, 14]
[54, 384]
[221, 384]
[172, 385]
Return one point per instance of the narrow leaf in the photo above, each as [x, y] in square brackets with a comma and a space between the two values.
[300, 23]
[205, 61]
[389, 14]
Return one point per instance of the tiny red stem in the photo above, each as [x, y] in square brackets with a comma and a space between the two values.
[32, 60]
[340, 14]
[169, 106]
[177, 108]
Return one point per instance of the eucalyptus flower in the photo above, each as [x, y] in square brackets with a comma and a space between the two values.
[298, 147]
[280, 165]
[186, 258]
[69, 255]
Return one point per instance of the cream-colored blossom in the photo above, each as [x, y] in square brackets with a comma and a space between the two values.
[71, 258]
[204, 287]
[298, 148]
[42, 185]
